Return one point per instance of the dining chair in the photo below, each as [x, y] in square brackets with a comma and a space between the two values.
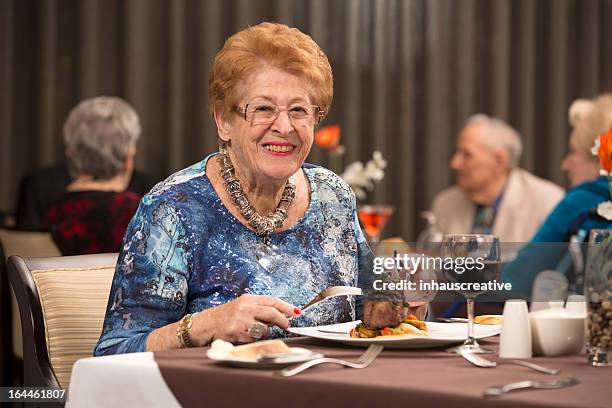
[24, 243]
[62, 302]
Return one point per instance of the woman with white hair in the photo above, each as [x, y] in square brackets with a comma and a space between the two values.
[100, 136]
[576, 214]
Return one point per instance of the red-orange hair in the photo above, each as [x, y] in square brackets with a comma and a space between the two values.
[268, 43]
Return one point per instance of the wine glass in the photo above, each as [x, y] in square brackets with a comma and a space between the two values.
[484, 251]
[374, 218]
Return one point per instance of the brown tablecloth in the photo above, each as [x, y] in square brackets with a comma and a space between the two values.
[407, 378]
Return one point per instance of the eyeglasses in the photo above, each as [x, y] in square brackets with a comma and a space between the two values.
[266, 113]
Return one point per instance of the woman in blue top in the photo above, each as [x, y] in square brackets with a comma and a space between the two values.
[576, 212]
[227, 248]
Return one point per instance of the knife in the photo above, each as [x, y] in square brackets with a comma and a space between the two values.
[477, 360]
[331, 292]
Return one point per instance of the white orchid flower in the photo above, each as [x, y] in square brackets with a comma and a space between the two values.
[362, 178]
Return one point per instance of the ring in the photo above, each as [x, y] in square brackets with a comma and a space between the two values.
[256, 330]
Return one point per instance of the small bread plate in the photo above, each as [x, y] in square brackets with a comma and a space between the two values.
[439, 335]
[222, 355]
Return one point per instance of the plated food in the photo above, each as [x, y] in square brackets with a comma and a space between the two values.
[388, 318]
[382, 313]
[261, 354]
[260, 348]
[409, 326]
[488, 319]
[438, 335]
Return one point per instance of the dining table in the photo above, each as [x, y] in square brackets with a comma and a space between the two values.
[428, 377]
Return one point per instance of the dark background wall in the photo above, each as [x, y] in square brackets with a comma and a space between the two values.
[407, 74]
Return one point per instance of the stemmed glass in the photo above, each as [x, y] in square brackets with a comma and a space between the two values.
[484, 250]
[374, 218]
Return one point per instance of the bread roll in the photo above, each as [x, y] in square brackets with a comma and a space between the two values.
[488, 319]
[260, 348]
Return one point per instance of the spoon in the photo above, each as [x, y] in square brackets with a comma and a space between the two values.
[498, 390]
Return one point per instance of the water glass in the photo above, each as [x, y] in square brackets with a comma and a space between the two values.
[548, 286]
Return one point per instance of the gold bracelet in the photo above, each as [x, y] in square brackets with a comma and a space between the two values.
[183, 331]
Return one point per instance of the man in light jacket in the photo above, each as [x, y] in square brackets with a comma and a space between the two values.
[492, 194]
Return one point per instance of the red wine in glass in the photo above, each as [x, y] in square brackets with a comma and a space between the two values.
[485, 249]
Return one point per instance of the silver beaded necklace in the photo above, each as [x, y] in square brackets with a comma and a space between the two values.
[263, 225]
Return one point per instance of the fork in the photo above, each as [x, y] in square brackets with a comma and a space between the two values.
[362, 362]
[332, 291]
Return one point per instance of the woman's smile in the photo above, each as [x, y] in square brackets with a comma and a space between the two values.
[279, 148]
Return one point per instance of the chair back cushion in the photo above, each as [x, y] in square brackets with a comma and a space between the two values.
[25, 244]
[74, 304]
[28, 243]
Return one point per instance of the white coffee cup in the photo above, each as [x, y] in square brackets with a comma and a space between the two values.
[557, 332]
[556, 304]
[515, 338]
[576, 304]
[548, 286]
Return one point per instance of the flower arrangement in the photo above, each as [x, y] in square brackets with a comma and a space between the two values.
[361, 178]
[603, 149]
[328, 138]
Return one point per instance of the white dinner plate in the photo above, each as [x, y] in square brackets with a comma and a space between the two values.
[297, 355]
[440, 334]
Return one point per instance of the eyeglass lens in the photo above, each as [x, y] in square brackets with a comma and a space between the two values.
[262, 113]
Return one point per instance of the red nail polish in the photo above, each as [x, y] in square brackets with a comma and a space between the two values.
[297, 311]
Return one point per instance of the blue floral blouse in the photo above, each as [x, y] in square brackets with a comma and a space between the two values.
[184, 251]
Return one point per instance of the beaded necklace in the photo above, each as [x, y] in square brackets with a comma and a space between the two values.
[263, 225]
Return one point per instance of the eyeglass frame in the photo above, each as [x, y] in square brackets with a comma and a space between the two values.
[242, 112]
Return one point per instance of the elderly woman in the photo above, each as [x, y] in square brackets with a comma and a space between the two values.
[576, 213]
[231, 246]
[100, 136]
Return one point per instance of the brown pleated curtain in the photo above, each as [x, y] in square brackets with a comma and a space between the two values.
[407, 74]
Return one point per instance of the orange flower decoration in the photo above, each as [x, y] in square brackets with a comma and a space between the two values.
[327, 137]
[605, 150]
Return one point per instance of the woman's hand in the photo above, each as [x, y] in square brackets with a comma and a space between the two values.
[231, 321]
